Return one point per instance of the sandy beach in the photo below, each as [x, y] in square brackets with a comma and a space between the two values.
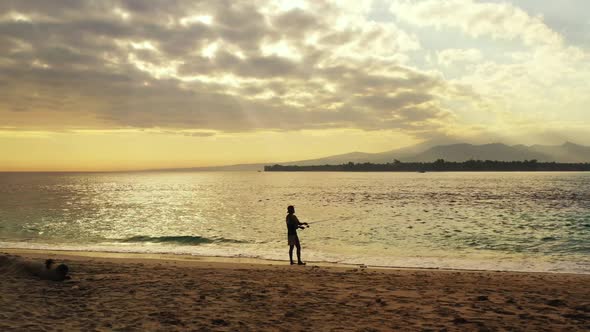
[168, 293]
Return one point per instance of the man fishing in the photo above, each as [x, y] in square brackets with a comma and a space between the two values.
[292, 225]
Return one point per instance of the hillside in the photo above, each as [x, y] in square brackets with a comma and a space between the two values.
[426, 152]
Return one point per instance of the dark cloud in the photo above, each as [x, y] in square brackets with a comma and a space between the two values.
[138, 64]
[296, 22]
[395, 102]
[257, 66]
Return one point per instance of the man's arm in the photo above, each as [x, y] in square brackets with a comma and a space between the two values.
[300, 224]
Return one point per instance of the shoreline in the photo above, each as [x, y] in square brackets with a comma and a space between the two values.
[139, 292]
[232, 260]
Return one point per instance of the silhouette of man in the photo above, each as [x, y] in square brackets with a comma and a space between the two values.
[292, 225]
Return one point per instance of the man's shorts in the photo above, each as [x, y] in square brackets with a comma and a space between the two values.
[293, 240]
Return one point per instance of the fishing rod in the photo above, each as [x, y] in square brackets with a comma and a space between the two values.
[317, 222]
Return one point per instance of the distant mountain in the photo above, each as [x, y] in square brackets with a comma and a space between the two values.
[463, 152]
[362, 157]
[567, 152]
[355, 157]
[428, 152]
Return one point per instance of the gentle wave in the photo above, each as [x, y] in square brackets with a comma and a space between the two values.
[518, 264]
[497, 221]
[180, 239]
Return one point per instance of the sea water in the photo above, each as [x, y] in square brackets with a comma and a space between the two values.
[491, 221]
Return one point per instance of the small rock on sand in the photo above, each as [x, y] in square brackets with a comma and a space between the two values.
[220, 322]
[556, 303]
[459, 320]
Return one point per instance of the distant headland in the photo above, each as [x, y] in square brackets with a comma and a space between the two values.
[439, 165]
[567, 156]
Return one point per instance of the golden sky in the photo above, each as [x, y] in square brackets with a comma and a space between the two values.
[117, 85]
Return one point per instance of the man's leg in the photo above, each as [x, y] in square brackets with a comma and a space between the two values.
[299, 253]
[291, 253]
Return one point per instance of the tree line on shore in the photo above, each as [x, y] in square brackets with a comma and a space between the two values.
[439, 165]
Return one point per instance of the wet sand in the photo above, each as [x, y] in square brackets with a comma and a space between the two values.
[169, 293]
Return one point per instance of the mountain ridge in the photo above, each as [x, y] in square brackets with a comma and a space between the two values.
[567, 152]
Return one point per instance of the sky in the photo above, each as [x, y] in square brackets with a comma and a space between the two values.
[117, 85]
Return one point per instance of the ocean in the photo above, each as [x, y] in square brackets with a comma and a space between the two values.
[483, 221]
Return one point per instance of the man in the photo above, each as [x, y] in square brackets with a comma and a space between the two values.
[292, 225]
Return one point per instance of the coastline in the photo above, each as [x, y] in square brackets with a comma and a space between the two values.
[113, 291]
[220, 261]
[468, 262]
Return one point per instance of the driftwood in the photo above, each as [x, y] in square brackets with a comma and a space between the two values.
[47, 271]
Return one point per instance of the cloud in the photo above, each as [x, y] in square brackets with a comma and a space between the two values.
[188, 133]
[210, 66]
[526, 77]
[449, 57]
[477, 19]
